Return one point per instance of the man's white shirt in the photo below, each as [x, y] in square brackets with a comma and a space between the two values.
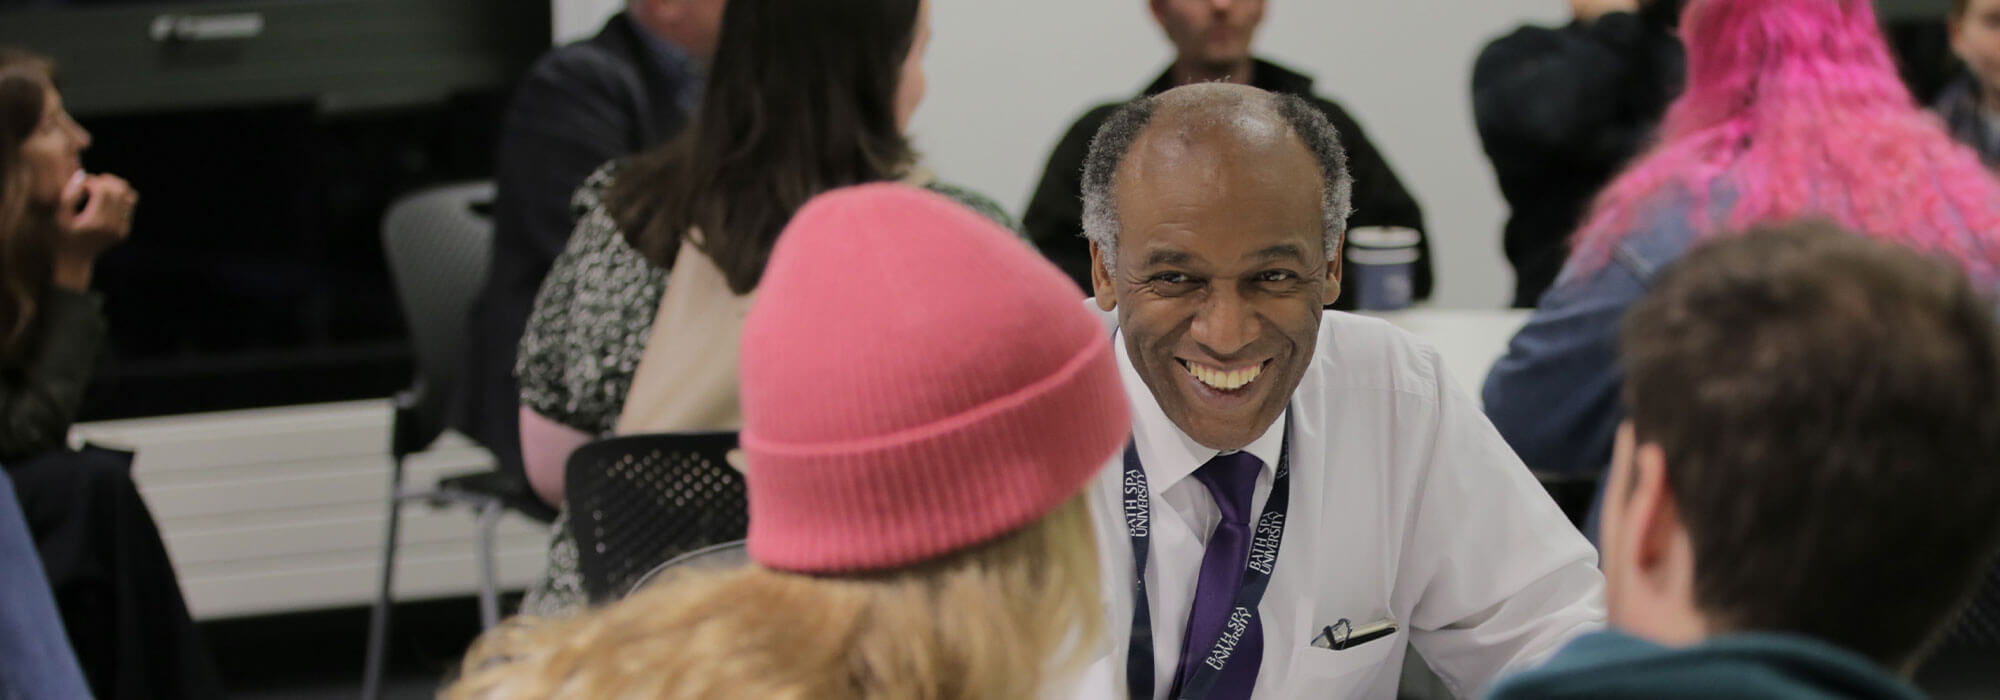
[1405, 505]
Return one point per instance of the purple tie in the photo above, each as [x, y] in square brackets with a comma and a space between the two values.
[1231, 479]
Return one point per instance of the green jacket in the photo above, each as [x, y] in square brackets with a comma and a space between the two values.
[1744, 666]
[42, 387]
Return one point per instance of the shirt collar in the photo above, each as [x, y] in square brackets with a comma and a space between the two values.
[1167, 453]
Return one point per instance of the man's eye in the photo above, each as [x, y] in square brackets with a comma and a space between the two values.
[1172, 278]
[1276, 276]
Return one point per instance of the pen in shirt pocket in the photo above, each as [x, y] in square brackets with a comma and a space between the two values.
[1345, 635]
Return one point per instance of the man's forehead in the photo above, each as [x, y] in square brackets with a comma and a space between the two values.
[1167, 251]
[1233, 165]
[1196, 129]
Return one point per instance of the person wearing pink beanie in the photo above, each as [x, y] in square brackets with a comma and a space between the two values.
[924, 404]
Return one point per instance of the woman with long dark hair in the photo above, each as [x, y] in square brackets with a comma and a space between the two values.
[803, 96]
[112, 580]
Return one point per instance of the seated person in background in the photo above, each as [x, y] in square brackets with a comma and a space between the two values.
[1760, 136]
[1211, 41]
[120, 601]
[924, 404]
[1304, 471]
[631, 87]
[1970, 106]
[1804, 491]
[652, 288]
[1561, 110]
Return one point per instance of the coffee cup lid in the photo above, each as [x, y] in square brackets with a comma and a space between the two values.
[1383, 237]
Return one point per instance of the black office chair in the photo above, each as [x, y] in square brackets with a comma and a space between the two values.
[638, 500]
[438, 242]
[1573, 493]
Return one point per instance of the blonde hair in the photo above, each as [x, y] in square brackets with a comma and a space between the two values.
[992, 622]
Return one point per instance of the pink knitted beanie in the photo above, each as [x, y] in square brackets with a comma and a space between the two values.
[915, 381]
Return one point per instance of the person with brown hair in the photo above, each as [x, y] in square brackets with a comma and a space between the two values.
[671, 243]
[631, 87]
[917, 449]
[112, 580]
[1803, 494]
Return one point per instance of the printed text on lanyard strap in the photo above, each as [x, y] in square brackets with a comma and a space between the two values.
[1270, 533]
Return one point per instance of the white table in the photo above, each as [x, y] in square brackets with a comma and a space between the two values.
[1470, 340]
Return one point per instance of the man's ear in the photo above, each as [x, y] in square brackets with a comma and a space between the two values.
[1651, 509]
[1333, 269]
[1100, 280]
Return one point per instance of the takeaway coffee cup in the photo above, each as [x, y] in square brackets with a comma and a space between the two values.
[1381, 267]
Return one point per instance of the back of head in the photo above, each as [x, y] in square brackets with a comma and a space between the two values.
[26, 239]
[1794, 108]
[925, 398]
[1829, 410]
[800, 99]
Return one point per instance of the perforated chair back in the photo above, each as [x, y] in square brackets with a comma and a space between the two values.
[438, 242]
[639, 500]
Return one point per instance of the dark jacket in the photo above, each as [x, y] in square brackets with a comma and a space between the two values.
[1560, 111]
[1735, 667]
[1968, 121]
[42, 388]
[1054, 220]
[579, 107]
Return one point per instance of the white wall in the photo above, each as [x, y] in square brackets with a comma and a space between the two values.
[577, 19]
[1008, 76]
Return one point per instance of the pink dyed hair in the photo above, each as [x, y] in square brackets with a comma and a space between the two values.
[1795, 107]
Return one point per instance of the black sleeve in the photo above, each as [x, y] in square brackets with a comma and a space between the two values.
[1564, 93]
[1379, 196]
[41, 390]
[1054, 220]
[571, 114]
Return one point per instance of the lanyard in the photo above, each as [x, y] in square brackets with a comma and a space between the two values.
[1256, 575]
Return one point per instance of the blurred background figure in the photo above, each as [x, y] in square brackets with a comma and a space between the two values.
[652, 289]
[1970, 105]
[120, 601]
[918, 527]
[1560, 111]
[1763, 134]
[1211, 40]
[1803, 495]
[631, 87]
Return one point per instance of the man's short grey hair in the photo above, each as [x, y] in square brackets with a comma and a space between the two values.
[1113, 140]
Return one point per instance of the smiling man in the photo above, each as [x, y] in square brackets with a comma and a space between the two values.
[1307, 492]
[1212, 42]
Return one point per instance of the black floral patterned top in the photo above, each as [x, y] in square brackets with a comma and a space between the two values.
[591, 319]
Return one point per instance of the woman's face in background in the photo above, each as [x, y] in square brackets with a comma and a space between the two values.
[910, 87]
[53, 153]
[1975, 37]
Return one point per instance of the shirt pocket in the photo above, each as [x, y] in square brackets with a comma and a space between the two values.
[1318, 672]
[1345, 665]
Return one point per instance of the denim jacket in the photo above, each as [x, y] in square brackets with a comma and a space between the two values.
[1555, 396]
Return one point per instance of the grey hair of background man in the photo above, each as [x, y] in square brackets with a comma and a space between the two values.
[1114, 140]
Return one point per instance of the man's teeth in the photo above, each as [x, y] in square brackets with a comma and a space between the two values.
[1230, 380]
